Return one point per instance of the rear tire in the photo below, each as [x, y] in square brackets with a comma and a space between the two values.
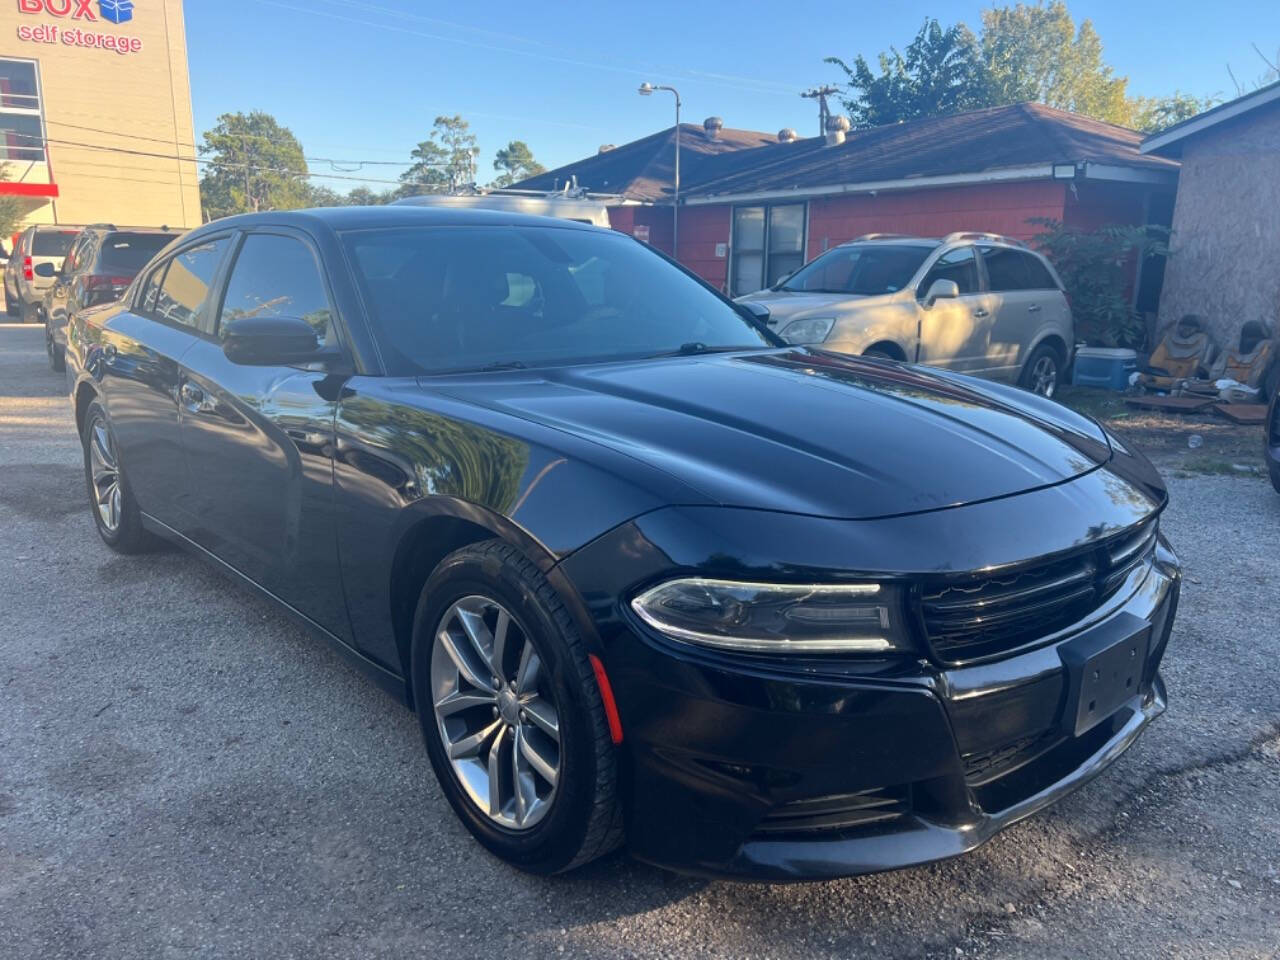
[582, 817]
[1042, 373]
[115, 512]
[56, 354]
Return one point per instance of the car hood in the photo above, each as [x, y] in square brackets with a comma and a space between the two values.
[783, 305]
[805, 431]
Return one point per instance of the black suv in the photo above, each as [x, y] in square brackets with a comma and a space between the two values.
[101, 263]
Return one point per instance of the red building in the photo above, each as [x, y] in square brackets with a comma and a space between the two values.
[754, 206]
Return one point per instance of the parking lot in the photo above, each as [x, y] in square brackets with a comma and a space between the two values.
[184, 773]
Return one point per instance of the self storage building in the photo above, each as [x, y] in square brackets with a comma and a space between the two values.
[95, 112]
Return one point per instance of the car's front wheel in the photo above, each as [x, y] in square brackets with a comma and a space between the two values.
[1042, 371]
[115, 512]
[511, 713]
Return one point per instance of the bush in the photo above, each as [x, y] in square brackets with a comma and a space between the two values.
[1094, 266]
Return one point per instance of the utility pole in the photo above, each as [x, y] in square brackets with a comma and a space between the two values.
[646, 89]
[820, 94]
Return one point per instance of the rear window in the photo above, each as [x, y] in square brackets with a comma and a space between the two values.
[52, 243]
[131, 251]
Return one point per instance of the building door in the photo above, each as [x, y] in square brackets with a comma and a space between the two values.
[767, 244]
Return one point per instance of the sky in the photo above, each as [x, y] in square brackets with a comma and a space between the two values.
[362, 80]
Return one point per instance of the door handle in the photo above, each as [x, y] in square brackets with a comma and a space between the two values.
[1034, 308]
[980, 312]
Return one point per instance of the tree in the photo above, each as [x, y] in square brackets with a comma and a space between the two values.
[1026, 52]
[10, 209]
[446, 161]
[941, 72]
[1152, 114]
[254, 164]
[515, 162]
[1036, 52]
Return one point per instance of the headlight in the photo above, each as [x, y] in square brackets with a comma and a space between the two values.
[775, 617]
[809, 330]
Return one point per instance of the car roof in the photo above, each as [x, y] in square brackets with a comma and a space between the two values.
[363, 218]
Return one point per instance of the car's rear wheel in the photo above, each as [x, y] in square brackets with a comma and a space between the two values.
[12, 306]
[57, 358]
[1042, 371]
[511, 713]
[115, 512]
[1272, 437]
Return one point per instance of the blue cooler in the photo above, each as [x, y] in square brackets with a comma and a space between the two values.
[1105, 367]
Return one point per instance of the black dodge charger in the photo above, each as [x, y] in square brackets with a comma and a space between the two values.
[646, 575]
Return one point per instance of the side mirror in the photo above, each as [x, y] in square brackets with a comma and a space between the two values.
[941, 290]
[271, 342]
[756, 312]
[45, 269]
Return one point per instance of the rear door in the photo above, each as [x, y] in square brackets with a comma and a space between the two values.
[140, 350]
[1026, 301]
[259, 440]
[954, 333]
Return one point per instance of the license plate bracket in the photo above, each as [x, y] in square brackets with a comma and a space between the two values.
[1104, 670]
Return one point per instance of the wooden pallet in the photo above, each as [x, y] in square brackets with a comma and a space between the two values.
[1246, 413]
[1171, 404]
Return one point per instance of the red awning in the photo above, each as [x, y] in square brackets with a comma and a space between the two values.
[28, 189]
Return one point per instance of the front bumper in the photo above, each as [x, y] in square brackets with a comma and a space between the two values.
[745, 769]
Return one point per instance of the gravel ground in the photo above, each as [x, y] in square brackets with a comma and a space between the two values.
[184, 773]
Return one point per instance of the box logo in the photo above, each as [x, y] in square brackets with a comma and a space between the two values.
[116, 11]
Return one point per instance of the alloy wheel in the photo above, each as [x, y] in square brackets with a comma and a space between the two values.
[495, 712]
[105, 474]
[1044, 376]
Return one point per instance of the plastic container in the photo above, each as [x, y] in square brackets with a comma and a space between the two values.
[1105, 367]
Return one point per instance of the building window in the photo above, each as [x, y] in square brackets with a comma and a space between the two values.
[21, 117]
[767, 244]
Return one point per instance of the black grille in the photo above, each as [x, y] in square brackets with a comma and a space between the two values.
[983, 767]
[842, 811]
[974, 617]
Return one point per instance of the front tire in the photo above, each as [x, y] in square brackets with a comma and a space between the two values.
[1042, 373]
[511, 713]
[57, 355]
[115, 512]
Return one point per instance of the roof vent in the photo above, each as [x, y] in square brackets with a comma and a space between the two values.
[712, 126]
[788, 135]
[837, 127]
[605, 148]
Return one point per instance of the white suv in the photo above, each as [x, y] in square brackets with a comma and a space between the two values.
[975, 303]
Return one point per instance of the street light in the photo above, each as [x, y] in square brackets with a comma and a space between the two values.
[645, 90]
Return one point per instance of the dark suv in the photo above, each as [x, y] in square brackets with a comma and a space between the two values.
[101, 262]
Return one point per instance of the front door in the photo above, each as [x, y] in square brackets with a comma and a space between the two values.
[259, 440]
[954, 332]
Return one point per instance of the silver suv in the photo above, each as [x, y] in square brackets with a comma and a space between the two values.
[23, 287]
[975, 303]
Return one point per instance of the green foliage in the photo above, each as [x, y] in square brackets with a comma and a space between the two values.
[445, 162]
[1094, 266]
[255, 164]
[515, 162]
[10, 210]
[940, 72]
[1028, 51]
[1036, 52]
[1152, 114]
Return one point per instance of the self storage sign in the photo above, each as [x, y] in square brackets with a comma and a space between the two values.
[68, 22]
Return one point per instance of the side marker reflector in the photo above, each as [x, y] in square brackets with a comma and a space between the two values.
[606, 696]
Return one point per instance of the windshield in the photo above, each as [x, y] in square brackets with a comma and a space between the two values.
[465, 297]
[51, 243]
[863, 269]
[131, 251]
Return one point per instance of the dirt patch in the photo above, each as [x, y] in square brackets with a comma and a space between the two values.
[1223, 448]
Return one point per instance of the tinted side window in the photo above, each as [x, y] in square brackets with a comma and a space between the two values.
[1038, 277]
[959, 265]
[277, 276]
[185, 289]
[151, 289]
[1006, 269]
